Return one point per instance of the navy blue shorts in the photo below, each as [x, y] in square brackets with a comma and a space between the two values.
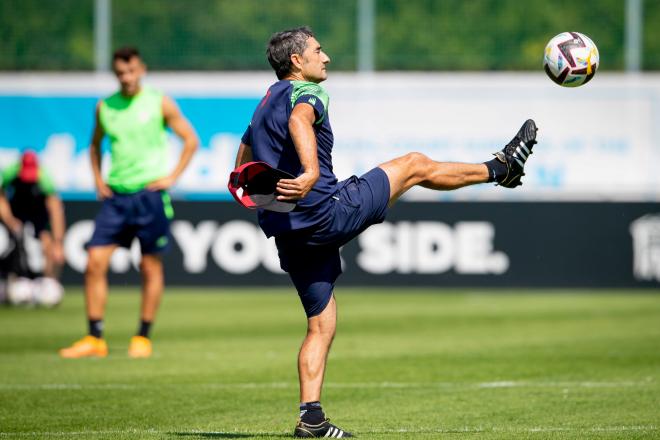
[144, 214]
[311, 257]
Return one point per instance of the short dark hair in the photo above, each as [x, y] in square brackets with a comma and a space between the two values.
[125, 53]
[284, 44]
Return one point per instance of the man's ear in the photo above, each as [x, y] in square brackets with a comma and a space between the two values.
[297, 60]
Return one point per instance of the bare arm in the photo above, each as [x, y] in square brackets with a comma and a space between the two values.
[301, 127]
[244, 154]
[57, 224]
[182, 128]
[56, 217]
[102, 189]
[7, 217]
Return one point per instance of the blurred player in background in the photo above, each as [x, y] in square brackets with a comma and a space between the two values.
[6, 217]
[135, 201]
[13, 227]
[35, 209]
[290, 130]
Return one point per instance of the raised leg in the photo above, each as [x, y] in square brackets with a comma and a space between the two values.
[417, 169]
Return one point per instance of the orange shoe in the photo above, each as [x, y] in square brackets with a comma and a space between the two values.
[89, 346]
[140, 347]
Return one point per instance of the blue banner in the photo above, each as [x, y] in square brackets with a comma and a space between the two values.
[59, 128]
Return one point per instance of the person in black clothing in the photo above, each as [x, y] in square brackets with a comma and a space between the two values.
[33, 201]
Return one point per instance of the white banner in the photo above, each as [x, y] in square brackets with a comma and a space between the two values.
[597, 142]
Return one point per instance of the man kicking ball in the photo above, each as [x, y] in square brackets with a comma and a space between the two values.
[312, 214]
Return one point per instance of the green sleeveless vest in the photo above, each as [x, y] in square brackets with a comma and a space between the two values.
[138, 139]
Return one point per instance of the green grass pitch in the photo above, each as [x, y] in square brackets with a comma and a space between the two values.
[405, 364]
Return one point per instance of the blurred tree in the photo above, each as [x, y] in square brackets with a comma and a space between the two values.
[226, 34]
[651, 38]
[232, 35]
[490, 34]
[40, 35]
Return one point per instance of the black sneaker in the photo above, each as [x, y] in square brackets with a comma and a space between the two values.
[323, 429]
[516, 153]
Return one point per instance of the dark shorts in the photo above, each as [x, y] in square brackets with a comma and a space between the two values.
[311, 257]
[123, 217]
[32, 211]
[38, 225]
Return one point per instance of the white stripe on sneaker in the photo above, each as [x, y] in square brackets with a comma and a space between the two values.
[329, 433]
[341, 433]
[524, 147]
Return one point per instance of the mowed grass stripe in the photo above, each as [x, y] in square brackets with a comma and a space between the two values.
[405, 364]
[242, 434]
[357, 385]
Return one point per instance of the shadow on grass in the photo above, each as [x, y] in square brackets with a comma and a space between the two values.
[230, 434]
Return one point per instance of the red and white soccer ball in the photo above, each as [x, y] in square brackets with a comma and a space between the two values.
[571, 59]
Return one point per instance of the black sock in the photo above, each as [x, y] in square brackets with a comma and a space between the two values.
[496, 170]
[145, 327]
[311, 413]
[96, 327]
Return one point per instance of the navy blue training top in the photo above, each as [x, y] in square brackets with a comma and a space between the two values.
[268, 135]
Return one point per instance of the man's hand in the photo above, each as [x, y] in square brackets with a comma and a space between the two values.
[103, 191]
[57, 252]
[161, 184]
[296, 189]
[14, 224]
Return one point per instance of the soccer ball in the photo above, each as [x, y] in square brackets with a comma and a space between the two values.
[571, 59]
[48, 292]
[20, 291]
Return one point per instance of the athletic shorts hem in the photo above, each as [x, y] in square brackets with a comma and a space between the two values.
[321, 306]
[105, 243]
